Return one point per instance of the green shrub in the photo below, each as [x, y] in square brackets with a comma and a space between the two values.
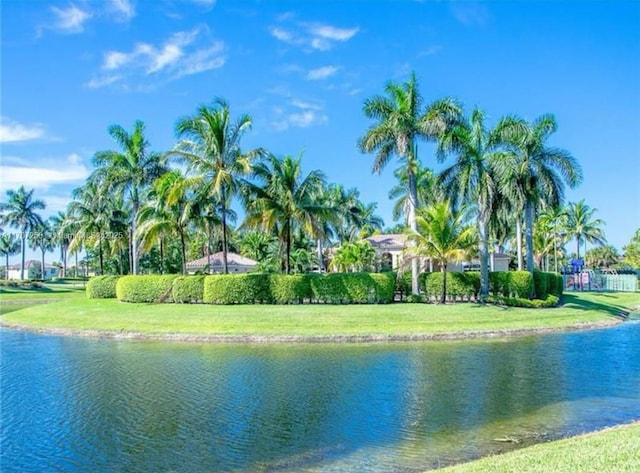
[385, 286]
[499, 283]
[460, 286]
[237, 289]
[188, 289]
[557, 284]
[102, 287]
[540, 284]
[145, 288]
[549, 301]
[520, 284]
[329, 288]
[290, 289]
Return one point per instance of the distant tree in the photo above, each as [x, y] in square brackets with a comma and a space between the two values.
[19, 211]
[632, 250]
[41, 238]
[9, 246]
[354, 256]
[582, 226]
[603, 256]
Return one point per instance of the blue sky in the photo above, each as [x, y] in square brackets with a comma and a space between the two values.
[71, 68]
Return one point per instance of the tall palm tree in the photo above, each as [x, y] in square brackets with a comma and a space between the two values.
[444, 235]
[19, 211]
[534, 172]
[284, 199]
[41, 238]
[471, 179]
[401, 120]
[554, 221]
[92, 214]
[582, 226]
[130, 170]
[60, 237]
[168, 213]
[9, 246]
[210, 146]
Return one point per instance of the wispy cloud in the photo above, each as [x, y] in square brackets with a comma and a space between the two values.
[430, 51]
[43, 173]
[321, 72]
[12, 131]
[311, 36]
[298, 113]
[70, 20]
[183, 53]
[470, 12]
[123, 10]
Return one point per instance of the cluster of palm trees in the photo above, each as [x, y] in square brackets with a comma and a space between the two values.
[138, 211]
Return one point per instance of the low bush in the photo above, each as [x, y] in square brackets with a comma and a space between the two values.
[385, 286]
[102, 287]
[520, 284]
[145, 288]
[460, 286]
[499, 283]
[188, 289]
[22, 283]
[237, 289]
[549, 301]
[329, 288]
[290, 289]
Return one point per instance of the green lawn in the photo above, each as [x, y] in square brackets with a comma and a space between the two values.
[615, 450]
[50, 291]
[316, 320]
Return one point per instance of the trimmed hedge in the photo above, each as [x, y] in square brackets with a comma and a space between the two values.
[145, 288]
[102, 287]
[237, 289]
[460, 286]
[353, 288]
[188, 289]
[290, 289]
[549, 301]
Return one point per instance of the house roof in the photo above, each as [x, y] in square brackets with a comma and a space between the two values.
[398, 240]
[28, 264]
[233, 259]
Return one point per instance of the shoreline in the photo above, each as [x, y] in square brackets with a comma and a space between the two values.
[300, 339]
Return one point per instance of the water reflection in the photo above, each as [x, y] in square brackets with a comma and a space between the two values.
[78, 405]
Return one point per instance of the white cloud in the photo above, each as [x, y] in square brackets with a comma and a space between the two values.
[300, 113]
[430, 51]
[208, 3]
[312, 36]
[123, 10]
[71, 19]
[183, 53]
[321, 72]
[12, 131]
[44, 173]
[470, 12]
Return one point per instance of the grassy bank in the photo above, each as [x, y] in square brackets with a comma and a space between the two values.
[615, 450]
[399, 321]
[52, 291]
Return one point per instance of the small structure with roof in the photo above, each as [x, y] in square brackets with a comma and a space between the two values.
[32, 270]
[235, 264]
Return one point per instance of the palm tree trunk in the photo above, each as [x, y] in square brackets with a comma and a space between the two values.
[209, 245]
[577, 247]
[319, 255]
[413, 199]
[528, 233]
[6, 266]
[42, 267]
[288, 248]
[24, 241]
[161, 257]
[519, 244]
[483, 248]
[100, 252]
[443, 268]
[184, 253]
[134, 242]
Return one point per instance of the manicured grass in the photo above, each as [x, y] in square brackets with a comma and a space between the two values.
[50, 291]
[615, 450]
[317, 320]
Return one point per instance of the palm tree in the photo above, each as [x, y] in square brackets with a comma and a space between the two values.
[41, 238]
[427, 187]
[534, 172]
[9, 246]
[354, 256]
[471, 180]
[401, 120]
[285, 200]
[602, 256]
[210, 145]
[583, 227]
[61, 238]
[20, 212]
[168, 213]
[257, 245]
[554, 221]
[444, 235]
[129, 171]
[92, 215]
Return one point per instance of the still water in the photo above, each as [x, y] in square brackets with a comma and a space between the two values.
[84, 405]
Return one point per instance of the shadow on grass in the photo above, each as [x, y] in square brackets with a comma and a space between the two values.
[576, 302]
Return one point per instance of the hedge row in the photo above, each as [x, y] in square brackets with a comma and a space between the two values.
[145, 288]
[460, 286]
[549, 301]
[102, 287]
[253, 288]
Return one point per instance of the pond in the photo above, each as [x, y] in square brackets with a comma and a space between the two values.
[86, 405]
